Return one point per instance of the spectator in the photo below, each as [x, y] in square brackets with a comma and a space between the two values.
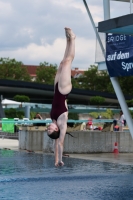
[116, 128]
[38, 117]
[89, 125]
[121, 121]
[99, 117]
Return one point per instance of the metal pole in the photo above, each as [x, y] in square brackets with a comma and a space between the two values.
[106, 7]
[2, 113]
[130, 6]
[93, 24]
[27, 111]
[114, 80]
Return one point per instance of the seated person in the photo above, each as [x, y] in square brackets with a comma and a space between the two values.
[70, 124]
[38, 117]
[116, 128]
[99, 128]
[115, 125]
[89, 125]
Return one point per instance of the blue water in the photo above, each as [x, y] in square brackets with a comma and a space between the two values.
[30, 176]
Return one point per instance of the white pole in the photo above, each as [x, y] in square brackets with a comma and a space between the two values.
[114, 80]
[93, 24]
[106, 8]
[130, 6]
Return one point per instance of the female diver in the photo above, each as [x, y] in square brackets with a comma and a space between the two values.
[59, 112]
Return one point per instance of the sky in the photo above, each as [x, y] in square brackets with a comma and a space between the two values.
[32, 31]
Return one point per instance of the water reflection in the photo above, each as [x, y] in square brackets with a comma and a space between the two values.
[31, 163]
[33, 176]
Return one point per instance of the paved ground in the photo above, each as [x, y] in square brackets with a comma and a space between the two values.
[122, 158]
[9, 143]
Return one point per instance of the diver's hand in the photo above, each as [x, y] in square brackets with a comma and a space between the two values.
[56, 164]
[60, 163]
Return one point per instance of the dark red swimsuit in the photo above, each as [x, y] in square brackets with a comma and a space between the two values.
[58, 105]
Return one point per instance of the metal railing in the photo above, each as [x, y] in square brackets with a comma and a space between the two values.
[21, 122]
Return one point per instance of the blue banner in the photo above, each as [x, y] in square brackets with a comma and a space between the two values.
[119, 55]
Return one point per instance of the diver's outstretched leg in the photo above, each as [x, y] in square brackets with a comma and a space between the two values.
[65, 74]
[65, 55]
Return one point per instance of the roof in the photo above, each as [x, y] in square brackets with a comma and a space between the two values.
[32, 71]
[120, 25]
[75, 73]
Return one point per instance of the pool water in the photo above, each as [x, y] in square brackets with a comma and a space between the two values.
[30, 176]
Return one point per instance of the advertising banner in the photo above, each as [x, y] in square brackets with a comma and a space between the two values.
[119, 55]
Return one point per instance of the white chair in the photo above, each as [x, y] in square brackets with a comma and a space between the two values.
[16, 119]
[25, 120]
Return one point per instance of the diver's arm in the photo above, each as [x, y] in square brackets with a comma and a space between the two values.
[62, 125]
[56, 152]
[61, 142]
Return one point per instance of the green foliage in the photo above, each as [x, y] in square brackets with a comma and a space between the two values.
[13, 70]
[46, 73]
[97, 100]
[76, 83]
[92, 79]
[13, 113]
[95, 80]
[73, 116]
[110, 113]
[126, 83]
[32, 115]
[20, 114]
[131, 112]
[106, 115]
[130, 102]
[89, 78]
[94, 114]
[21, 98]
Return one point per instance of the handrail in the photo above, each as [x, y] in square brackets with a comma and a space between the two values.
[49, 121]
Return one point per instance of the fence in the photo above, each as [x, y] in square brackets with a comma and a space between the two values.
[27, 122]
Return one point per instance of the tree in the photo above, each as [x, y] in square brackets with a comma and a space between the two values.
[95, 80]
[13, 113]
[92, 79]
[21, 98]
[89, 79]
[73, 116]
[107, 115]
[46, 73]
[130, 102]
[103, 82]
[97, 100]
[126, 84]
[76, 83]
[13, 70]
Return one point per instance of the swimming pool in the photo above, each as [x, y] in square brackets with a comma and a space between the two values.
[30, 176]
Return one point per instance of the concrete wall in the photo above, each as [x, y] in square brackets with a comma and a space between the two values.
[92, 142]
[83, 141]
[31, 138]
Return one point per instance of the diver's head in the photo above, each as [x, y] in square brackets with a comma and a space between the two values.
[53, 131]
[54, 135]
